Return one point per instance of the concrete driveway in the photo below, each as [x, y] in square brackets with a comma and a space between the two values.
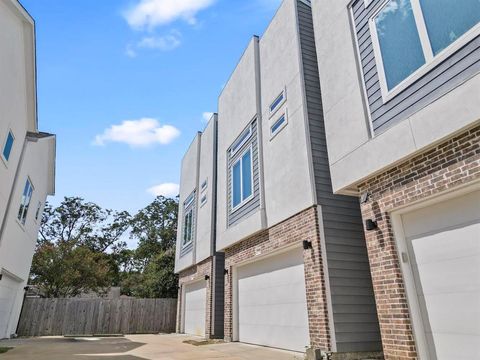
[152, 347]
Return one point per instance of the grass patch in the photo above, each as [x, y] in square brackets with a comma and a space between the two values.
[4, 349]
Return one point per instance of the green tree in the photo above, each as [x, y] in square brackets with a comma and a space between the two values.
[79, 248]
[155, 229]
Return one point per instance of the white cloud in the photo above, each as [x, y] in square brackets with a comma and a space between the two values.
[164, 43]
[207, 116]
[130, 51]
[169, 190]
[148, 14]
[138, 133]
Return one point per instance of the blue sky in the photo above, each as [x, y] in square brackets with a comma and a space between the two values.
[125, 86]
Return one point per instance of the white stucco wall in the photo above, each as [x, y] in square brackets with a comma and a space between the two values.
[287, 160]
[237, 107]
[188, 183]
[353, 154]
[13, 102]
[205, 217]
[17, 245]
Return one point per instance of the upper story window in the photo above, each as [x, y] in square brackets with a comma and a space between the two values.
[242, 139]
[25, 204]
[204, 185]
[409, 35]
[278, 102]
[278, 125]
[188, 206]
[7, 148]
[242, 179]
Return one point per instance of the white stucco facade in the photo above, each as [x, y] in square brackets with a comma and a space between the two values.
[32, 157]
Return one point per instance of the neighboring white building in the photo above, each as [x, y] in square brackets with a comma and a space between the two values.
[27, 160]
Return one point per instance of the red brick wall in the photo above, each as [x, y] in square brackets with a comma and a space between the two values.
[194, 273]
[303, 226]
[450, 164]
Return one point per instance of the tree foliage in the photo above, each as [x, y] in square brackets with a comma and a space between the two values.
[82, 248]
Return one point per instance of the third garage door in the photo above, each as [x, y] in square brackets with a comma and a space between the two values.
[272, 307]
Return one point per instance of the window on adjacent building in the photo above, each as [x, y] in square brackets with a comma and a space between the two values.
[203, 200]
[277, 102]
[408, 34]
[7, 148]
[242, 180]
[278, 125]
[37, 213]
[204, 185]
[25, 204]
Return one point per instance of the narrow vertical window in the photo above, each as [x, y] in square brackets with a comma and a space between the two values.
[37, 213]
[7, 148]
[25, 204]
[242, 179]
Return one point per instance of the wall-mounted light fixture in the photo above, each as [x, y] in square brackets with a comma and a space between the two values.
[1, 276]
[364, 197]
[307, 245]
[371, 225]
[207, 277]
[225, 271]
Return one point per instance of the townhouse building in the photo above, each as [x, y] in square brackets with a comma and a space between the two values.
[289, 254]
[200, 267]
[401, 97]
[27, 160]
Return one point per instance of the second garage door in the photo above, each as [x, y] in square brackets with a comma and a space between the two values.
[443, 245]
[272, 306]
[195, 308]
[8, 292]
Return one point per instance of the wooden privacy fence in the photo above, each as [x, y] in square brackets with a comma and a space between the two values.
[51, 317]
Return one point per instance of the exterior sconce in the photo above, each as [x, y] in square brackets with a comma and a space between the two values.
[225, 272]
[307, 245]
[207, 277]
[1, 276]
[371, 225]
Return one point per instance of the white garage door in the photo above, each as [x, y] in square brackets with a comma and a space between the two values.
[195, 308]
[444, 252]
[8, 292]
[272, 306]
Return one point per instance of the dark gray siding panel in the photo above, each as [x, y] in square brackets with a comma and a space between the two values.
[447, 75]
[254, 203]
[354, 311]
[218, 295]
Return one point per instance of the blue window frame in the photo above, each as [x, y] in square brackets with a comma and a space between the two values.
[25, 203]
[242, 179]
[7, 148]
[409, 35]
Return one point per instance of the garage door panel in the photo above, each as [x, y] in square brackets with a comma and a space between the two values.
[456, 275]
[272, 308]
[443, 242]
[463, 319]
[195, 308]
[458, 347]
[9, 290]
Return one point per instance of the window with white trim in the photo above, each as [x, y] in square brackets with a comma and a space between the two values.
[242, 179]
[242, 140]
[278, 125]
[279, 100]
[7, 147]
[25, 203]
[187, 228]
[409, 34]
